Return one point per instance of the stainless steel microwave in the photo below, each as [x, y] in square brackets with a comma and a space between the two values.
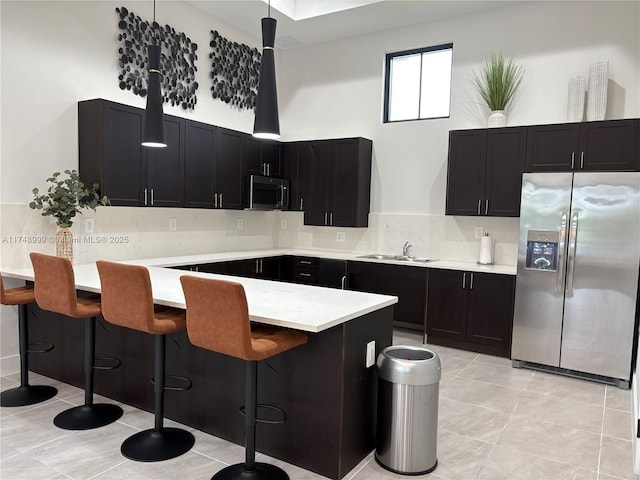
[267, 193]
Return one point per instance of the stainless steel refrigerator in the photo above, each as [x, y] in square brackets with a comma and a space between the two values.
[577, 278]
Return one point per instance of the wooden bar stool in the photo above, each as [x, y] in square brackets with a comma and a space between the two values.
[25, 394]
[56, 291]
[127, 301]
[218, 320]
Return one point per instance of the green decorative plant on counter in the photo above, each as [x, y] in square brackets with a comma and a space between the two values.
[497, 82]
[65, 198]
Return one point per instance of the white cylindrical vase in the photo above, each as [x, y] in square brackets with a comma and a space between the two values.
[497, 118]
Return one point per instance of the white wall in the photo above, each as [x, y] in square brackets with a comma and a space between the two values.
[55, 53]
[335, 89]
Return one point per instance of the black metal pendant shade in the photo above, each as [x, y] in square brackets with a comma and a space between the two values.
[153, 132]
[267, 121]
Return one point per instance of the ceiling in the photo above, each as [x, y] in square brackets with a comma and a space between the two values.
[307, 22]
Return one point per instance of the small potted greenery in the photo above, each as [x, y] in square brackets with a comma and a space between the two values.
[497, 82]
[65, 198]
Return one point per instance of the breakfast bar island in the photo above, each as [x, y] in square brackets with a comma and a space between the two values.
[325, 387]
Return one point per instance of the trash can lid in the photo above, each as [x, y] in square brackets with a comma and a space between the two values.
[408, 365]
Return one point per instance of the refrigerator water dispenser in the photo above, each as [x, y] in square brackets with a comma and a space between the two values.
[542, 250]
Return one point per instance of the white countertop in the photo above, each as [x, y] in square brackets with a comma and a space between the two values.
[227, 256]
[301, 307]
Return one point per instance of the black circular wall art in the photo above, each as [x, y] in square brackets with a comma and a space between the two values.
[235, 71]
[177, 61]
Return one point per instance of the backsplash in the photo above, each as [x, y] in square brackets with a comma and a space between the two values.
[123, 233]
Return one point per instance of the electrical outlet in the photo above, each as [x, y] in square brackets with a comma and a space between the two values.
[341, 237]
[479, 232]
[371, 354]
[173, 225]
[239, 224]
[88, 225]
[283, 223]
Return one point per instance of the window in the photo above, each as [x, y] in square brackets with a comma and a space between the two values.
[418, 83]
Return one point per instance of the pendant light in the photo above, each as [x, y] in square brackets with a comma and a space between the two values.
[267, 122]
[153, 133]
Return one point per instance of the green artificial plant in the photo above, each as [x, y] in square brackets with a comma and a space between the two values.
[498, 80]
[66, 198]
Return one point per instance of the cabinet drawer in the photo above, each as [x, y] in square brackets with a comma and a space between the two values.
[309, 263]
[305, 275]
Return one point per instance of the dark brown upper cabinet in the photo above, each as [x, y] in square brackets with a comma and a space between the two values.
[296, 167]
[340, 183]
[262, 157]
[110, 154]
[213, 177]
[610, 145]
[484, 175]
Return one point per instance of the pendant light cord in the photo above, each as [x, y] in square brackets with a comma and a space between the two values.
[268, 11]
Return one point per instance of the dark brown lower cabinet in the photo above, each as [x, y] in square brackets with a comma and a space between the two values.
[470, 310]
[408, 283]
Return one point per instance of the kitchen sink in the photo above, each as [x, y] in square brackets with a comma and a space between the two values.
[401, 258]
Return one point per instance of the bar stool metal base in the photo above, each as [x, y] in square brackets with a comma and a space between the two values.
[27, 395]
[154, 446]
[261, 471]
[87, 417]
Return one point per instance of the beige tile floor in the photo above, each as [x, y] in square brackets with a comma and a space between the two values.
[495, 423]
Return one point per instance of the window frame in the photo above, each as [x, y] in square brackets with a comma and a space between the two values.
[387, 79]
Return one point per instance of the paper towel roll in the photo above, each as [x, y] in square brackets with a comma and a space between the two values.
[486, 250]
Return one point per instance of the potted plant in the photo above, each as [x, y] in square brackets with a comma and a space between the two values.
[497, 82]
[65, 198]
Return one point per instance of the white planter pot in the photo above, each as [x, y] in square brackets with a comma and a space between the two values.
[497, 118]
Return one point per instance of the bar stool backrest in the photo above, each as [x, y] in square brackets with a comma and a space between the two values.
[55, 284]
[218, 316]
[127, 299]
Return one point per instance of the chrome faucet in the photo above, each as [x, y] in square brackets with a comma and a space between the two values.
[405, 249]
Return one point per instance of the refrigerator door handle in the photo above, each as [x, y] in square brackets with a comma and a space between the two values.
[571, 263]
[562, 248]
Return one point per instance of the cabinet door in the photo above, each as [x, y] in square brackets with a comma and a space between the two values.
[269, 268]
[609, 145]
[447, 304]
[466, 171]
[252, 157]
[552, 148]
[406, 282]
[123, 177]
[165, 167]
[343, 206]
[229, 151]
[505, 165]
[490, 311]
[316, 211]
[290, 172]
[271, 158]
[331, 273]
[200, 163]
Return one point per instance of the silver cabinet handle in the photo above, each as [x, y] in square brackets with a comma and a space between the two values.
[261, 270]
[256, 269]
[464, 279]
[215, 200]
[581, 160]
[301, 202]
[325, 218]
[573, 159]
[486, 206]
[343, 282]
[152, 196]
[573, 242]
[305, 262]
[471, 282]
[268, 169]
[561, 251]
[197, 269]
[145, 196]
[331, 218]
[303, 274]
[479, 203]
[220, 200]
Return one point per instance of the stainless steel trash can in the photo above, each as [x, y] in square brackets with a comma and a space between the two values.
[407, 418]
